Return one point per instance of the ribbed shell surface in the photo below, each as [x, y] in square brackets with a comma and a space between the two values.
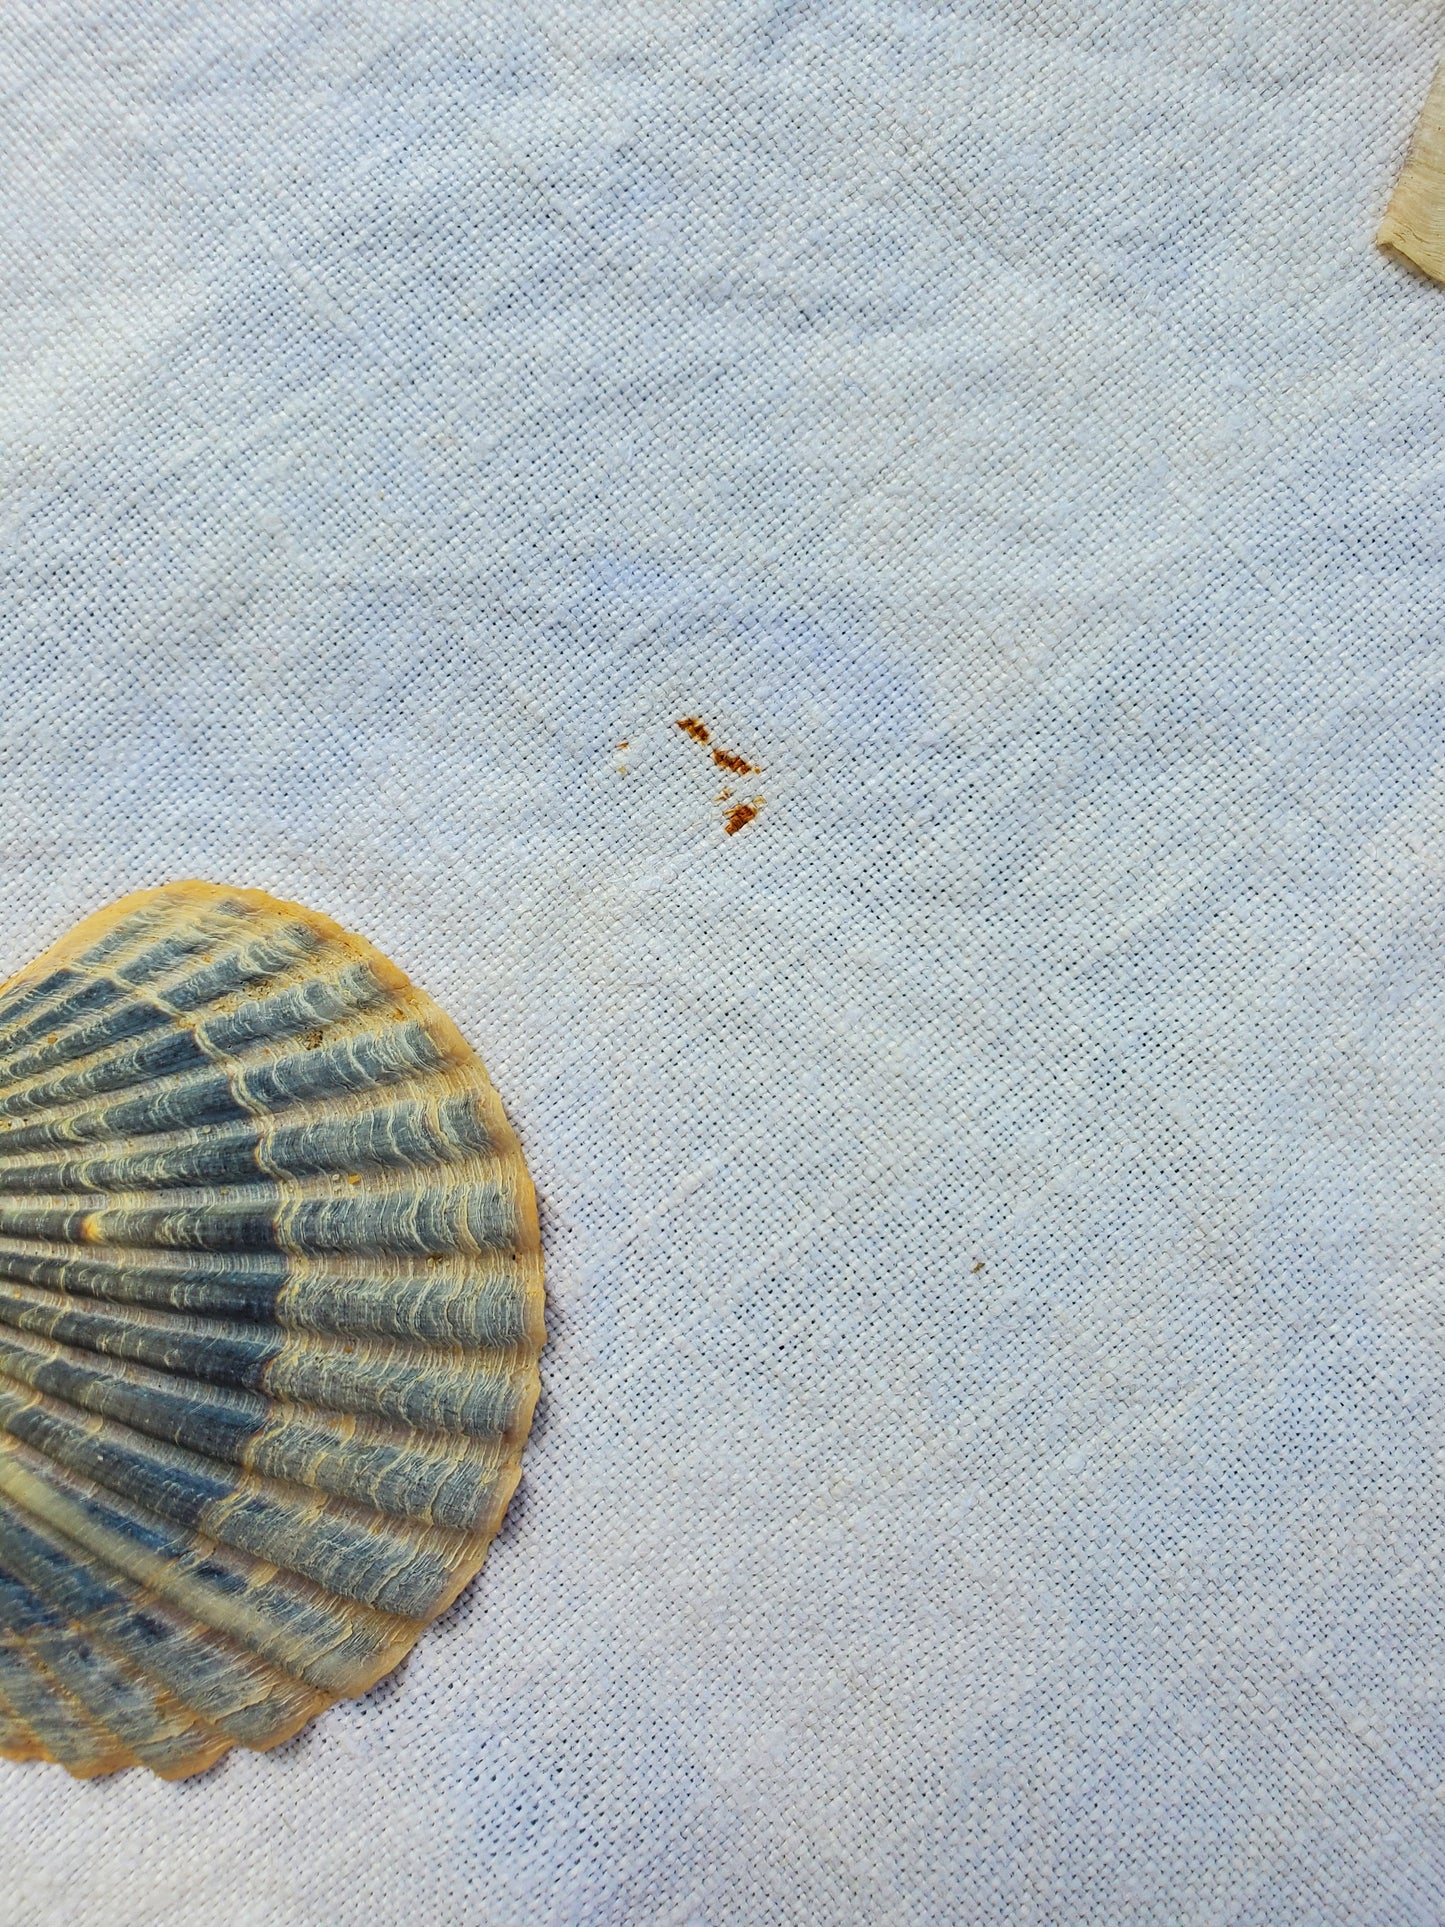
[270, 1313]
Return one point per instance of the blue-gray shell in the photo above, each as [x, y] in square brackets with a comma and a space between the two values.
[270, 1312]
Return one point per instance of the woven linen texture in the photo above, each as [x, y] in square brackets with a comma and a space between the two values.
[992, 1459]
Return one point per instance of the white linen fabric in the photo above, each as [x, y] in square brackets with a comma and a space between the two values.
[992, 1458]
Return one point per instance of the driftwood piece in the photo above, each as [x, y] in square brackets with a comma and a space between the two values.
[1414, 223]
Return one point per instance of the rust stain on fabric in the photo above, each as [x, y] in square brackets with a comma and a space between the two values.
[739, 765]
[741, 814]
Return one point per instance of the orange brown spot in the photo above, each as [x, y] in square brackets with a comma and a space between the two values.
[728, 759]
[696, 728]
[739, 818]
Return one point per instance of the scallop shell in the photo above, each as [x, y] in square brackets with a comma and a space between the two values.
[1414, 222]
[270, 1311]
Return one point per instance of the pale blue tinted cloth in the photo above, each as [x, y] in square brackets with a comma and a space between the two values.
[992, 1459]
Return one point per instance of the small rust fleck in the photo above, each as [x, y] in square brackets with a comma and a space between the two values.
[979, 1265]
[311, 1040]
[739, 765]
[722, 796]
[738, 818]
[696, 728]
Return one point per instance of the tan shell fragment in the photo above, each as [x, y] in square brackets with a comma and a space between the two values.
[1414, 223]
[270, 1312]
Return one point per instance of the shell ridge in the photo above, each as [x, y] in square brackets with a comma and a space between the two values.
[107, 1009]
[471, 1207]
[402, 1471]
[167, 1094]
[237, 1355]
[395, 1564]
[218, 1681]
[61, 969]
[56, 1717]
[409, 1125]
[135, 1710]
[245, 1285]
[283, 1619]
[93, 980]
[397, 1295]
[17, 1740]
